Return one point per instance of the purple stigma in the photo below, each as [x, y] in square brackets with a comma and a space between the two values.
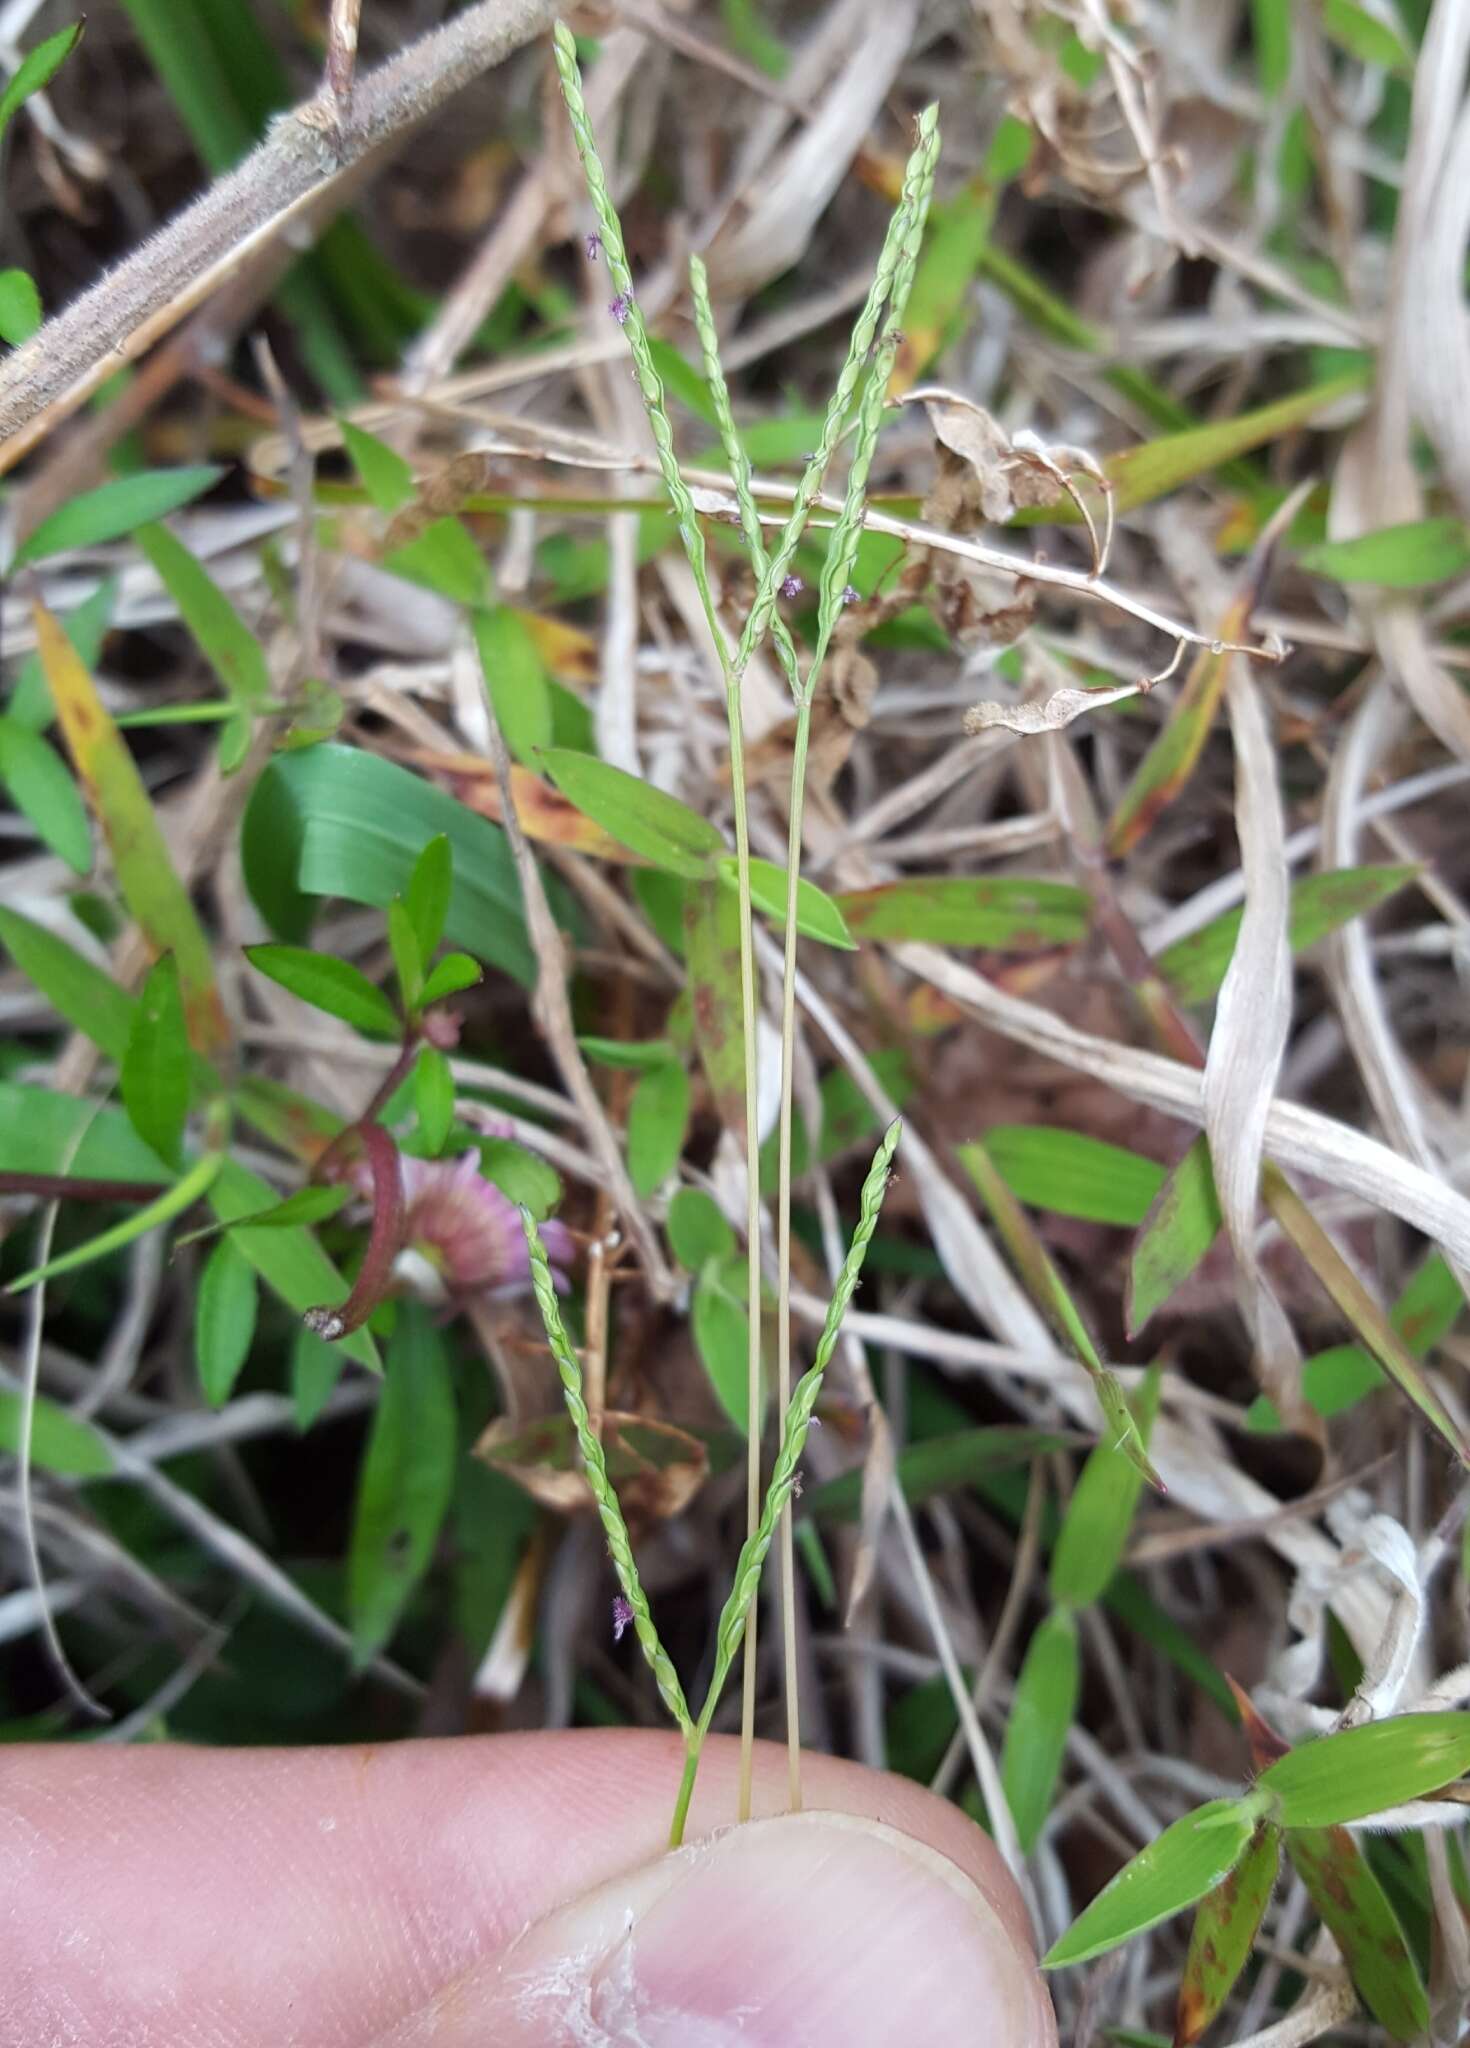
[621, 307]
[792, 586]
[594, 243]
[622, 1615]
[851, 595]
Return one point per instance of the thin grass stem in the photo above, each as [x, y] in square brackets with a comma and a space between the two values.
[905, 237]
[626, 310]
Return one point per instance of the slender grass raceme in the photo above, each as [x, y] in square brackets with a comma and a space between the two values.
[590, 1445]
[863, 379]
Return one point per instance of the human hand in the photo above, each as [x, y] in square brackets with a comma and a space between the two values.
[501, 1892]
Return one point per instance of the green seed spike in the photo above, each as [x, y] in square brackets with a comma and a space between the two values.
[593, 1458]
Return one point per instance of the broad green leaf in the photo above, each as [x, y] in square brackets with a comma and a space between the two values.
[1195, 967]
[387, 478]
[515, 682]
[428, 892]
[1049, 1291]
[938, 1464]
[154, 1077]
[521, 1176]
[231, 649]
[1008, 913]
[316, 1367]
[712, 949]
[640, 817]
[172, 1202]
[817, 914]
[447, 977]
[1071, 1174]
[20, 307]
[721, 1332]
[337, 821]
[408, 963]
[49, 1133]
[81, 994]
[697, 1230]
[1041, 1714]
[638, 1057]
[290, 1261]
[658, 1117]
[224, 1319]
[335, 986]
[36, 69]
[59, 1442]
[405, 1483]
[40, 786]
[113, 509]
[1362, 1771]
[1356, 1912]
[1368, 38]
[1099, 1515]
[433, 1097]
[1177, 1232]
[445, 558]
[120, 802]
[1225, 1927]
[1187, 1860]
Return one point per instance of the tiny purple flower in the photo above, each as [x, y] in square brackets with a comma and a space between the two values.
[792, 586]
[850, 595]
[796, 1484]
[622, 1615]
[594, 243]
[621, 307]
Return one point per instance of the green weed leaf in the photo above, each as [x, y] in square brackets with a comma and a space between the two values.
[20, 306]
[1187, 1860]
[1099, 1515]
[433, 1097]
[405, 1484]
[41, 786]
[447, 977]
[1362, 1771]
[721, 1332]
[154, 1077]
[658, 1117]
[386, 477]
[516, 683]
[114, 509]
[818, 916]
[1041, 1713]
[697, 1229]
[1177, 1232]
[60, 1442]
[1356, 1912]
[36, 69]
[335, 986]
[1073, 1175]
[428, 892]
[224, 1319]
[640, 817]
[1008, 913]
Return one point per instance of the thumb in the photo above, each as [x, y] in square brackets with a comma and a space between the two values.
[788, 1933]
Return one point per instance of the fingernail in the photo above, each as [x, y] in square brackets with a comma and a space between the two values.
[813, 1928]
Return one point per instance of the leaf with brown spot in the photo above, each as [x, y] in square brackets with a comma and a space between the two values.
[1225, 1926]
[712, 949]
[140, 856]
[1356, 1912]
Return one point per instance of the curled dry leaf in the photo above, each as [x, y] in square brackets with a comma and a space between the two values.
[996, 474]
[1050, 715]
[656, 1467]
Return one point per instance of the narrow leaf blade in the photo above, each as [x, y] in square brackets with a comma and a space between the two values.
[1187, 1860]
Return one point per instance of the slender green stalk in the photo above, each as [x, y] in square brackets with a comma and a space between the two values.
[594, 1459]
[906, 235]
[627, 310]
